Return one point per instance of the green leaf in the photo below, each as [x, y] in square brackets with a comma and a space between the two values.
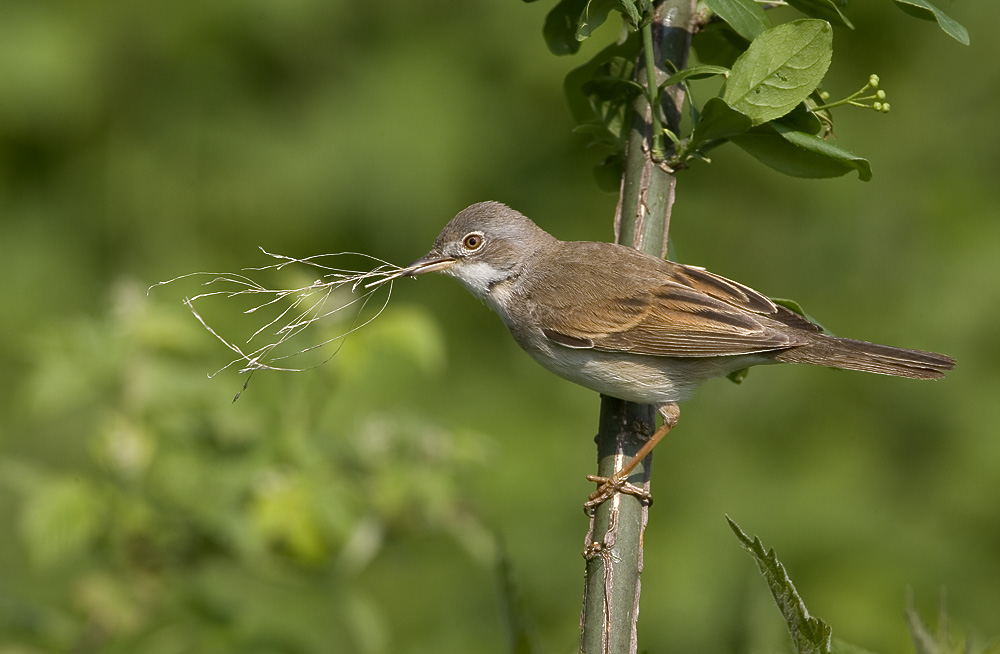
[940, 640]
[608, 173]
[719, 44]
[598, 132]
[801, 119]
[561, 26]
[810, 635]
[926, 11]
[780, 69]
[594, 15]
[794, 306]
[799, 154]
[719, 121]
[746, 16]
[613, 61]
[631, 11]
[737, 376]
[613, 88]
[573, 21]
[824, 9]
[694, 72]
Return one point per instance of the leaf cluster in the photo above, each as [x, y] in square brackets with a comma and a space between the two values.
[770, 103]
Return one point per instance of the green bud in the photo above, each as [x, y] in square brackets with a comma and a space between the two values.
[877, 106]
[885, 107]
[880, 95]
[873, 81]
[824, 95]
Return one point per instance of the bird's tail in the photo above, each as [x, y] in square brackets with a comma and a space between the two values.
[869, 357]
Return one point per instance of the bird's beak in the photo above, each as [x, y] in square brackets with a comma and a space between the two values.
[425, 264]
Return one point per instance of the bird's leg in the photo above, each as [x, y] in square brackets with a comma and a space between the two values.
[619, 481]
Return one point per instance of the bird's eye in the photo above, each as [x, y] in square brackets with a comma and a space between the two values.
[473, 241]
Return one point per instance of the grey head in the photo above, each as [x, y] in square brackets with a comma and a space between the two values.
[484, 245]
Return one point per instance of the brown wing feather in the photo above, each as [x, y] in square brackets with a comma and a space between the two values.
[721, 288]
[663, 309]
[671, 321]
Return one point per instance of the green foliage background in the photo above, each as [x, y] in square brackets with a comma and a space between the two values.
[364, 506]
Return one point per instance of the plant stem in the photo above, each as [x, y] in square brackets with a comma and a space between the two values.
[652, 89]
[642, 218]
[614, 540]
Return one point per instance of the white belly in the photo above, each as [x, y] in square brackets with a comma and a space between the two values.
[633, 377]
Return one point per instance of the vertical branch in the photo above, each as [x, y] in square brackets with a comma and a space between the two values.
[613, 547]
[642, 218]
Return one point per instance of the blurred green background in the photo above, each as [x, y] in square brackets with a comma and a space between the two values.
[364, 505]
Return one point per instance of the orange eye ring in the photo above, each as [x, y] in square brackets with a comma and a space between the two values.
[473, 241]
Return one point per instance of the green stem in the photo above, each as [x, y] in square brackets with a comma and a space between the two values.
[853, 100]
[652, 89]
[614, 539]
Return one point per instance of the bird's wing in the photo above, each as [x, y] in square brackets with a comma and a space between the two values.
[690, 312]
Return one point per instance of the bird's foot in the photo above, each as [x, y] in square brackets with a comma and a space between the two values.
[617, 483]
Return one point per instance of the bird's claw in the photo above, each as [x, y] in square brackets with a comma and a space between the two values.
[611, 485]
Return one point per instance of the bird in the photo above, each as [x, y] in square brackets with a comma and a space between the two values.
[634, 326]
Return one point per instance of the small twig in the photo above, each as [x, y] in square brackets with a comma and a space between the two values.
[297, 309]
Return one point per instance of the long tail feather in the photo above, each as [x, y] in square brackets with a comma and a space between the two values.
[869, 357]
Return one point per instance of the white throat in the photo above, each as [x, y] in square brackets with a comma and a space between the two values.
[489, 284]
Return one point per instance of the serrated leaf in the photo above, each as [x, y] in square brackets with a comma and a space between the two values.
[823, 9]
[923, 639]
[780, 69]
[745, 16]
[927, 11]
[719, 121]
[694, 72]
[810, 635]
[799, 154]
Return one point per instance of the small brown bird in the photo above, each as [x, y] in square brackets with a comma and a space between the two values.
[631, 325]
